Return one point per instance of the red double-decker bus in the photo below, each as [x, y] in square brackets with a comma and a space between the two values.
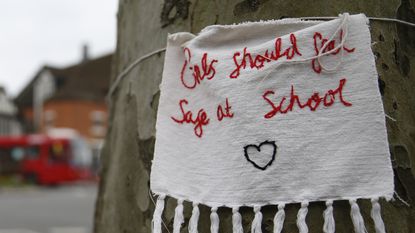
[44, 159]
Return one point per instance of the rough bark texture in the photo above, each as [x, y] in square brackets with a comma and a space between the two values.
[123, 203]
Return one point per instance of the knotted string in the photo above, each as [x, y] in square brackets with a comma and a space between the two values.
[329, 225]
[157, 216]
[343, 26]
[376, 216]
[214, 220]
[193, 222]
[357, 219]
[279, 218]
[178, 217]
[236, 221]
[257, 222]
[301, 217]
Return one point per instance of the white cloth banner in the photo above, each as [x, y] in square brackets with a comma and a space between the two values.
[271, 112]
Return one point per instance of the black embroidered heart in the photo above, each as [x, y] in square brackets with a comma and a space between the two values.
[261, 156]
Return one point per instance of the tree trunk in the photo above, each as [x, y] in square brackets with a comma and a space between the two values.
[124, 204]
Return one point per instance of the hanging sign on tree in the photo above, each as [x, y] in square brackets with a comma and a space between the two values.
[271, 113]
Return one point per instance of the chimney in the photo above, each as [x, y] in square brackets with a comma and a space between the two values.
[85, 53]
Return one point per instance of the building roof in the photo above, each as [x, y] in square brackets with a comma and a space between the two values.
[88, 80]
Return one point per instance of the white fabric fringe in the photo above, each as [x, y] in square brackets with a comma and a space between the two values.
[236, 221]
[214, 220]
[257, 222]
[279, 218]
[178, 217]
[377, 217]
[156, 222]
[329, 225]
[302, 214]
[358, 222]
[194, 219]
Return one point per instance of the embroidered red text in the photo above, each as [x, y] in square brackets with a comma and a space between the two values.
[187, 117]
[245, 59]
[319, 42]
[220, 113]
[200, 71]
[285, 105]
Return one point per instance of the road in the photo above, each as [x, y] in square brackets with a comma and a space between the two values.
[66, 209]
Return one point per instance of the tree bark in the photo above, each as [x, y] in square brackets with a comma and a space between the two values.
[124, 204]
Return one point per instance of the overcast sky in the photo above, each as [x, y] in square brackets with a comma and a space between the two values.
[38, 32]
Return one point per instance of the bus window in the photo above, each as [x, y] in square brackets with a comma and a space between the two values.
[17, 153]
[32, 152]
[10, 159]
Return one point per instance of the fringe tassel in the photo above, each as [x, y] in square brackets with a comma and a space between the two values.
[156, 222]
[329, 225]
[194, 219]
[302, 214]
[257, 222]
[359, 224]
[279, 219]
[377, 217]
[178, 217]
[214, 220]
[236, 221]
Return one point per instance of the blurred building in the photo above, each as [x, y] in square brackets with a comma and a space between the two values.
[70, 97]
[9, 124]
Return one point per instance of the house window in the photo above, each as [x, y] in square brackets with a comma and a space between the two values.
[98, 123]
[49, 118]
